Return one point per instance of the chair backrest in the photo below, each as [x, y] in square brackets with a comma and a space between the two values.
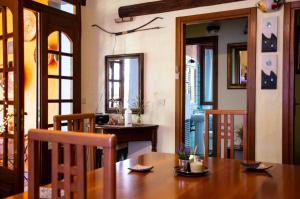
[69, 175]
[225, 130]
[75, 122]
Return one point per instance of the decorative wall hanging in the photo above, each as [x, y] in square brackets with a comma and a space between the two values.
[269, 72]
[29, 25]
[269, 34]
[269, 5]
[140, 28]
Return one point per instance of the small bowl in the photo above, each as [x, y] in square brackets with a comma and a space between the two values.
[250, 164]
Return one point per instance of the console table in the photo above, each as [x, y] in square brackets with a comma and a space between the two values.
[137, 132]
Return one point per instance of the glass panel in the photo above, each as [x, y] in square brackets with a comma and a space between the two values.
[114, 104]
[10, 52]
[53, 41]
[208, 76]
[9, 20]
[66, 44]
[10, 85]
[1, 53]
[243, 66]
[1, 150]
[30, 72]
[110, 90]
[66, 66]
[10, 119]
[116, 71]
[53, 62]
[53, 109]
[53, 88]
[11, 154]
[1, 86]
[66, 108]
[110, 72]
[234, 78]
[131, 79]
[60, 5]
[66, 89]
[30, 28]
[116, 90]
[1, 31]
[2, 127]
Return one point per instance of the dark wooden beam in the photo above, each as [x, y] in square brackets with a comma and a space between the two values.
[82, 2]
[166, 6]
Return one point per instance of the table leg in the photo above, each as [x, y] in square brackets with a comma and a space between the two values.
[154, 140]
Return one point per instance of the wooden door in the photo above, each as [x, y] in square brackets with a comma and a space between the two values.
[11, 98]
[60, 73]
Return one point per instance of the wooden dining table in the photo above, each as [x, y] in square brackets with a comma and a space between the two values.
[226, 179]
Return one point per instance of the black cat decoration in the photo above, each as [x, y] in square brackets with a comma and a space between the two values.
[268, 81]
[269, 44]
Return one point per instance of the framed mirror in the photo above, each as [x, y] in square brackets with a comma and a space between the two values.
[237, 56]
[124, 76]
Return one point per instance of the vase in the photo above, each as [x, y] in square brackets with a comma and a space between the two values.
[183, 164]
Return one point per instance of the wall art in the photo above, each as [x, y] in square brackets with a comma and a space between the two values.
[269, 34]
[269, 72]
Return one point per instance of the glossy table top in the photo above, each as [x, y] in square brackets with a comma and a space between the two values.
[226, 179]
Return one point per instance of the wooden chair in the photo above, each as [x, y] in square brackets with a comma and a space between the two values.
[75, 122]
[225, 130]
[72, 168]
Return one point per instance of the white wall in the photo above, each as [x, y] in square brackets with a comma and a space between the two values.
[231, 31]
[159, 49]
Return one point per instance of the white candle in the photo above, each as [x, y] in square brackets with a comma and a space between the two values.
[196, 167]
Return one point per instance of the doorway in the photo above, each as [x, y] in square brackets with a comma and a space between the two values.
[181, 42]
[291, 85]
[201, 86]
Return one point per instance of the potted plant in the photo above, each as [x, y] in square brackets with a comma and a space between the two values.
[183, 154]
[120, 110]
[139, 107]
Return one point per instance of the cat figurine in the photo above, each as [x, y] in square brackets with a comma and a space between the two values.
[269, 44]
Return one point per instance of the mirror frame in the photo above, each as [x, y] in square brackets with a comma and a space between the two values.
[140, 57]
[239, 46]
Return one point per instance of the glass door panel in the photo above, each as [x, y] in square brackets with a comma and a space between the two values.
[7, 89]
[60, 74]
[11, 100]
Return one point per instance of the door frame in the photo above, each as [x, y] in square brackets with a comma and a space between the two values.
[288, 82]
[251, 14]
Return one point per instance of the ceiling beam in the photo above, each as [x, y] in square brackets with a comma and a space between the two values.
[82, 2]
[166, 6]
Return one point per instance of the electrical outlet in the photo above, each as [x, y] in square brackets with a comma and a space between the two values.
[83, 100]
